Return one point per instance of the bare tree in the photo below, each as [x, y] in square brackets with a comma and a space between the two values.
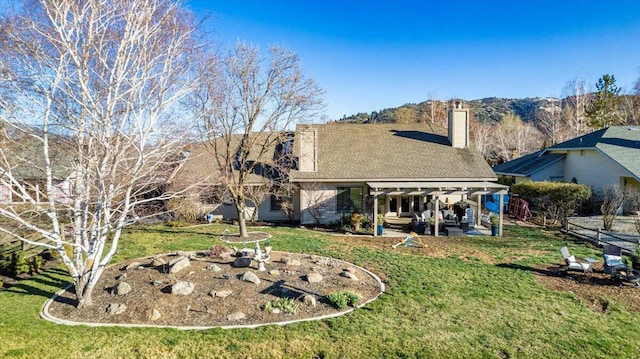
[315, 199]
[434, 113]
[257, 195]
[577, 96]
[247, 109]
[481, 136]
[516, 138]
[96, 84]
[552, 124]
[611, 198]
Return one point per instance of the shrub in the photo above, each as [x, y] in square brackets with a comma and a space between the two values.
[188, 208]
[287, 305]
[217, 250]
[556, 200]
[635, 258]
[19, 263]
[610, 199]
[343, 298]
[35, 264]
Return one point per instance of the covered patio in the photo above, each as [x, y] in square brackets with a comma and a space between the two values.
[469, 191]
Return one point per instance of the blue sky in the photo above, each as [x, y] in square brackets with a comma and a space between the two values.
[371, 55]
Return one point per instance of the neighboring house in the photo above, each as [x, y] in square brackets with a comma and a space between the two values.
[199, 175]
[22, 168]
[609, 156]
[392, 169]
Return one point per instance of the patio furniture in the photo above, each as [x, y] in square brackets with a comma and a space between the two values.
[453, 231]
[617, 267]
[572, 264]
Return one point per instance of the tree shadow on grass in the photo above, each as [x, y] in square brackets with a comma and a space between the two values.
[45, 284]
[553, 273]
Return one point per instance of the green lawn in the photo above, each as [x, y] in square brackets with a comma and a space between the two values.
[451, 306]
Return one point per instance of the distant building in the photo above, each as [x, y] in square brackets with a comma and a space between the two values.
[609, 156]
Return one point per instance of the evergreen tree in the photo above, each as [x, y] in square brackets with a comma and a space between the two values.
[604, 111]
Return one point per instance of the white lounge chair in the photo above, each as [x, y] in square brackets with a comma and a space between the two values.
[571, 262]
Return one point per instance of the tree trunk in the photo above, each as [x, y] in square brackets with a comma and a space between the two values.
[83, 297]
[242, 221]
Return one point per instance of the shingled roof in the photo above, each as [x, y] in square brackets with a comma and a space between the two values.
[390, 152]
[527, 165]
[620, 143]
[201, 165]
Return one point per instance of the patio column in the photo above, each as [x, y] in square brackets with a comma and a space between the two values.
[478, 209]
[437, 210]
[375, 215]
[500, 211]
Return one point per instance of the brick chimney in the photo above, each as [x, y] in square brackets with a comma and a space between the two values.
[458, 125]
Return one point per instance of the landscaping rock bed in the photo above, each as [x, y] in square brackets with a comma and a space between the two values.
[211, 292]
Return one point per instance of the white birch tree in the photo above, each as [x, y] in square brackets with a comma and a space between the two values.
[96, 85]
[248, 106]
[577, 98]
[552, 123]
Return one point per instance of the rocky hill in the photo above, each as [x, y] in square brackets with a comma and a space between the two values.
[489, 109]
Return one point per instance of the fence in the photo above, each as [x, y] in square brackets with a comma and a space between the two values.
[628, 242]
[10, 246]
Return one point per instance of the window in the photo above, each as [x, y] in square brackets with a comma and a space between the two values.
[349, 199]
[276, 202]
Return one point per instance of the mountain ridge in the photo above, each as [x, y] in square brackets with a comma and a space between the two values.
[488, 109]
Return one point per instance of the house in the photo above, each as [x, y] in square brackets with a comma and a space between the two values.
[200, 175]
[609, 156]
[392, 169]
[22, 170]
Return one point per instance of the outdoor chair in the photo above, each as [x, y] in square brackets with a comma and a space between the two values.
[617, 267]
[572, 263]
[613, 259]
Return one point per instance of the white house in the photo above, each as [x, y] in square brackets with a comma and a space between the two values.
[609, 156]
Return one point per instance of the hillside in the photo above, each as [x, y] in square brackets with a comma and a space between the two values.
[489, 109]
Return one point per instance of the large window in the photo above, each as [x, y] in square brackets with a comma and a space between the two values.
[277, 201]
[349, 199]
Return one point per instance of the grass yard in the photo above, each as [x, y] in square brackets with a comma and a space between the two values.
[458, 298]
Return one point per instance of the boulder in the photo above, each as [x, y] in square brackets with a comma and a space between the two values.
[310, 300]
[274, 272]
[134, 265]
[116, 308]
[157, 262]
[349, 275]
[350, 270]
[236, 316]
[154, 315]
[314, 277]
[178, 264]
[182, 288]
[250, 277]
[291, 261]
[122, 288]
[220, 293]
[213, 267]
